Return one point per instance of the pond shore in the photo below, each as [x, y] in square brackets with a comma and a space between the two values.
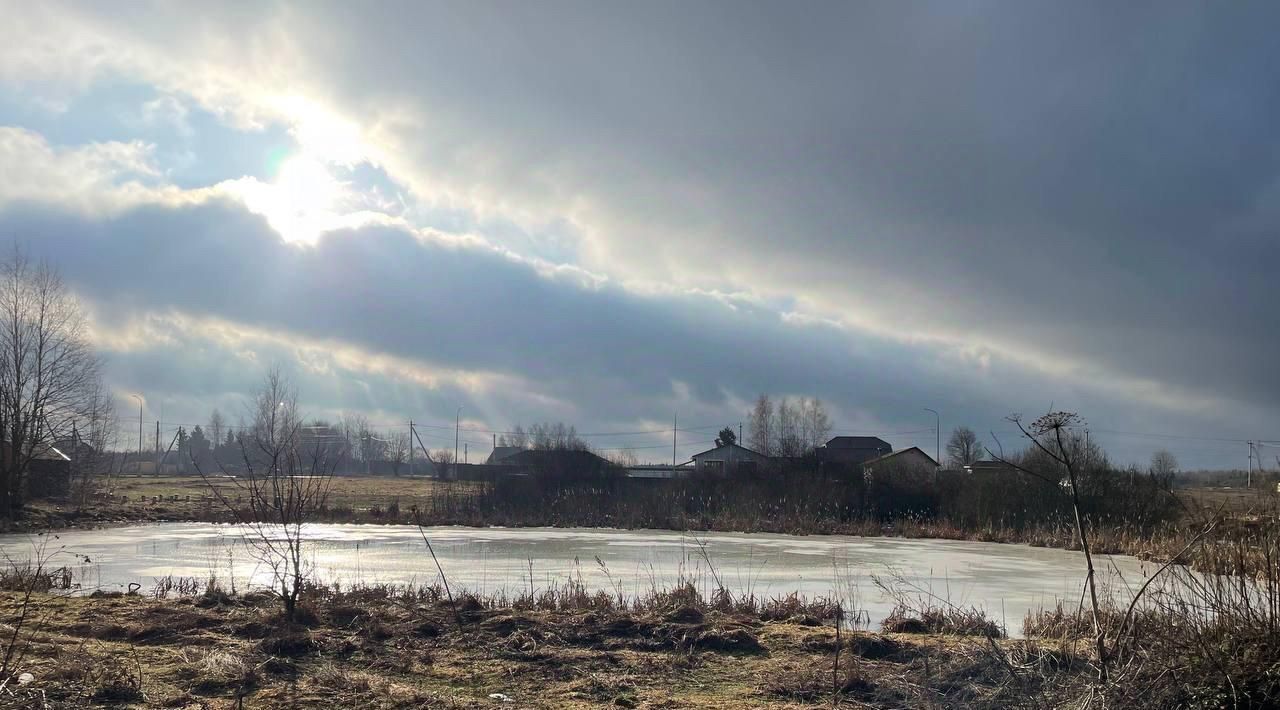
[196, 646]
[385, 649]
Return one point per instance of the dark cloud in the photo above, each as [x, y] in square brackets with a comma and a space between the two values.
[1090, 182]
[597, 355]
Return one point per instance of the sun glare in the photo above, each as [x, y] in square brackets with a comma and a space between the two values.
[301, 202]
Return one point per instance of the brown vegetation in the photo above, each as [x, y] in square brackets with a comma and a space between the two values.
[391, 648]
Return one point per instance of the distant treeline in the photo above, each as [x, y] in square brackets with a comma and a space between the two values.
[803, 496]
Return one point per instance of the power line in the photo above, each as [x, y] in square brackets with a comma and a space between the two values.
[172, 426]
[1187, 437]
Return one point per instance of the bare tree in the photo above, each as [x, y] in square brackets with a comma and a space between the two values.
[94, 434]
[760, 429]
[1164, 463]
[787, 440]
[517, 437]
[366, 445]
[397, 449]
[556, 437]
[442, 458]
[48, 369]
[217, 428]
[963, 448]
[285, 484]
[623, 457]
[815, 423]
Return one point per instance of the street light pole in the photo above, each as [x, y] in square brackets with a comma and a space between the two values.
[937, 436]
[139, 398]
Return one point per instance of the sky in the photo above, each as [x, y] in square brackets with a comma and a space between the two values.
[613, 214]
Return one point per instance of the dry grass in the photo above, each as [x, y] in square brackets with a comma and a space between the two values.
[1194, 640]
[403, 647]
[942, 620]
[399, 647]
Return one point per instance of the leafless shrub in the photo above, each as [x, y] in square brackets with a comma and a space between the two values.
[287, 475]
[181, 586]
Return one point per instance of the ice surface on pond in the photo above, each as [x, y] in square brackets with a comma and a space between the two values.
[1004, 580]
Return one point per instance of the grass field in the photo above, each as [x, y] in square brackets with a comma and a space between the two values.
[1229, 500]
[358, 491]
[364, 493]
[166, 498]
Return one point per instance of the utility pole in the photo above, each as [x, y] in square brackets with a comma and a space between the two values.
[739, 433]
[435, 472]
[464, 453]
[139, 398]
[410, 448]
[457, 426]
[937, 436]
[157, 447]
[1249, 481]
[675, 427]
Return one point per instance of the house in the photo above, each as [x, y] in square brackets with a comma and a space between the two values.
[730, 458]
[912, 459]
[560, 463]
[853, 450]
[322, 445]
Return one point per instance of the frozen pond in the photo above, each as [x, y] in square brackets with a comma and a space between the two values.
[1004, 580]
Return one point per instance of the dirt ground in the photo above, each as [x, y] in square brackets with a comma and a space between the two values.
[371, 650]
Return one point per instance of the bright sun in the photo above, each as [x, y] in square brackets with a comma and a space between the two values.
[305, 198]
[300, 203]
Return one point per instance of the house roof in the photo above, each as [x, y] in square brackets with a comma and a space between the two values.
[533, 457]
[51, 453]
[501, 453]
[739, 447]
[858, 442]
[890, 457]
[990, 465]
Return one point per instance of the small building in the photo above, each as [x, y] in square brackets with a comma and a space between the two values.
[49, 474]
[323, 446]
[728, 459]
[853, 450]
[912, 459]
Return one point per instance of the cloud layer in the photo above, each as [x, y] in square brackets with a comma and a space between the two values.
[615, 212]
